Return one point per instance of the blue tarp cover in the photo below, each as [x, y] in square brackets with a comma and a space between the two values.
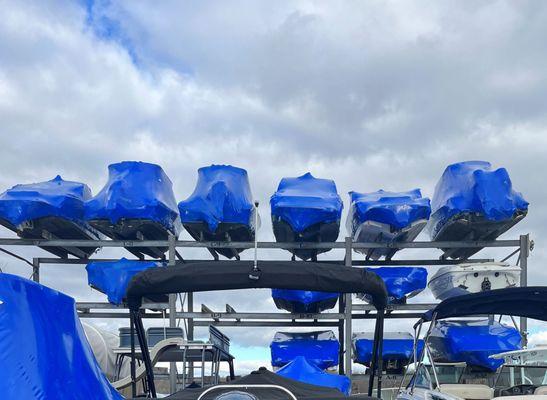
[301, 370]
[319, 348]
[112, 277]
[54, 198]
[136, 190]
[306, 201]
[397, 209]
[222, 194]
[402, 282]
[393, 349]
[473, 342]
[474, 186]
[306, 297]
[44, 352]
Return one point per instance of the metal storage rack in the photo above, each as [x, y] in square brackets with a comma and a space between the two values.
[347, 311]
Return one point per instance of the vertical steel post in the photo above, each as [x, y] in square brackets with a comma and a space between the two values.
[133, 366]
[524, 253]
[172, 312]
[36, 270]
[347, 314]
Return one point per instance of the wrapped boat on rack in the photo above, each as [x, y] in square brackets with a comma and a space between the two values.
[456, 280]
[402, 283]
[304, 301]
[397, 350]
[112, 277]
[49, 210]
[220, 208]
[306, 209]
[319, 348]
[386, 217]
[472, 342]
[474, 202]
[137, 203]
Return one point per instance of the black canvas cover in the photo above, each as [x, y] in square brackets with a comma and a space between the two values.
[229, 275]
[302, 391]
[528, 302]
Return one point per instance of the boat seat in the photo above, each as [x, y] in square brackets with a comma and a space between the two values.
[155, 353]
[542, 390]
[468, 391]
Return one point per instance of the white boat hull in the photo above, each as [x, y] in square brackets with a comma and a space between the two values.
[463, 279]
[376, 232]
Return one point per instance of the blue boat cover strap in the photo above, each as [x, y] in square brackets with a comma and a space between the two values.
[222, 195]
[54, 198]
[44, 352]
[472, 342]
[305, 297]
[474, 187]
[402, 282]
[112, 277]
[319, 348]
[396, 209]
[301, 370]
[527, 302]
[136, 190]
[305, 201]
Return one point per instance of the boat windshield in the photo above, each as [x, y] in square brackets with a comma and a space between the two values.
[446, 373]
[514, 375]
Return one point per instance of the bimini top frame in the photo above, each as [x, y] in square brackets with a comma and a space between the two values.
[526, 302]
[229, 275]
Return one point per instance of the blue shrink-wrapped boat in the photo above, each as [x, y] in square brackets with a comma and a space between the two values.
[44, 352]
[320, 348]
[402, 283]
[473, 201]
[137, 203]
[300, 369]
[112, 277]
[49, 210]
[304, 301]
[472, 342]
[306, 209]
[220, 208]
[386, 217]
[397, 351]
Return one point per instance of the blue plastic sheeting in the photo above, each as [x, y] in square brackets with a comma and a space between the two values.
[112, 277]
[319, 348]
[54, 198]
[474, 186]
[472, 342]
[301, 370]
[306, 201]
[402, 282]
[393, 349]
[44, 352]
[305, 297]
[136, 190]
[396, 209]
[222, 194]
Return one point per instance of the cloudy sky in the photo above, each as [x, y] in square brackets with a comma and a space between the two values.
[375, 94]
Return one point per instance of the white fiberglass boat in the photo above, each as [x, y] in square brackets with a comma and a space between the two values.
[456, 280]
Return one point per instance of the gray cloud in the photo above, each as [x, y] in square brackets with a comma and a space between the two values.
[375, 95]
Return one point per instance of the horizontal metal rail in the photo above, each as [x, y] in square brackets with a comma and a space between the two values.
[263, 245]
[377, 263]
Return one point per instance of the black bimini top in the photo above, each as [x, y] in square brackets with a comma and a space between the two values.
[229, 275]
[528, 302]
[302, 391]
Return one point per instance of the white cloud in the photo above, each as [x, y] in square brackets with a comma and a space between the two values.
[383, 95]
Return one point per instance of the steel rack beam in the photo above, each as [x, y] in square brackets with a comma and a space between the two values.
[262, 245]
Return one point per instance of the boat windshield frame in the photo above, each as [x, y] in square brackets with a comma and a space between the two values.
[522, 368]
